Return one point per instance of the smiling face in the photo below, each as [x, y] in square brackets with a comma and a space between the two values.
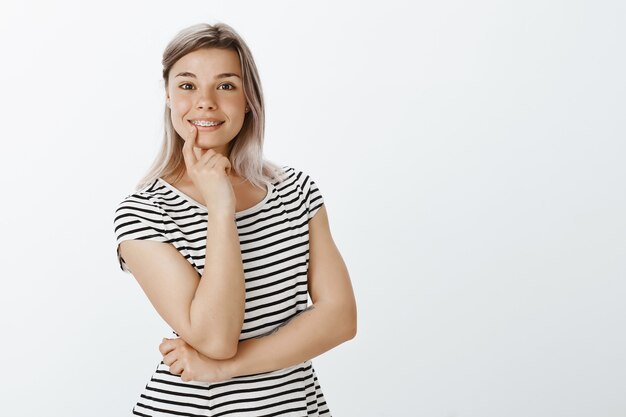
[205, 89]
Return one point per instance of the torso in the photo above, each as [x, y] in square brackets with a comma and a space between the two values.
[246, 194]
[274, 240]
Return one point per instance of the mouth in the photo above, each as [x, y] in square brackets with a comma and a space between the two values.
[206, 123]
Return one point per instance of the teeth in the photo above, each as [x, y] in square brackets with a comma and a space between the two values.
[205, 123]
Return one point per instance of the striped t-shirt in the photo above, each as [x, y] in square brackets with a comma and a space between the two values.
[274, 239]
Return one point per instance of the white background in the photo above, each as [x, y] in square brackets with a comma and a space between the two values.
[471, 156]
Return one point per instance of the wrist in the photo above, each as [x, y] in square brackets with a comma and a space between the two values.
[213, 370]
[228, 369]
[221, 217]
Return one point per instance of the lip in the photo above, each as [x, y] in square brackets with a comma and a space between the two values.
[205, 119]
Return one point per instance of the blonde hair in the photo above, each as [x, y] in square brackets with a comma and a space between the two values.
[245, 151]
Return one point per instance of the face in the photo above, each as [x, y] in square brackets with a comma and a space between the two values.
[205, 89]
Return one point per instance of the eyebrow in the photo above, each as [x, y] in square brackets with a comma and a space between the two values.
[223, 75]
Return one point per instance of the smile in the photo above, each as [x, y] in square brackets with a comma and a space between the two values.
[205, 123]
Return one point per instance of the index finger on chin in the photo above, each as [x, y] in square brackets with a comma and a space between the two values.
[188, 154]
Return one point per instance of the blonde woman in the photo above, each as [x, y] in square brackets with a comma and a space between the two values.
[229, 247]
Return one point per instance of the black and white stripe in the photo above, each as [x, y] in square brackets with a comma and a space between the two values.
[274, 238]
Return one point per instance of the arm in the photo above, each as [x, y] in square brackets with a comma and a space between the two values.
[207, 313]
[328, 322]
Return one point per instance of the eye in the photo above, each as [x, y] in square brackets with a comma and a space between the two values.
[182, 86]
[226, 86]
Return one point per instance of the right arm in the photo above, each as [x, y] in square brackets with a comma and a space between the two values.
[206, 313]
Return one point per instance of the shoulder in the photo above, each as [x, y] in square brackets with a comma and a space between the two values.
[294, 177]
[146, 198]
[299, 183]
[140, 211]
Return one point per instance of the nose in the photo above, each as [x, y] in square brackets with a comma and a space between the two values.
[206, 101]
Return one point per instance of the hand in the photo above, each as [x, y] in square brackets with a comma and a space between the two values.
[209, 173]
[191, 365]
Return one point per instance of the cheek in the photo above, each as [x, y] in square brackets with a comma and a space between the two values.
[178, 113]
[179, 102]
[237, 109]
[179, 107]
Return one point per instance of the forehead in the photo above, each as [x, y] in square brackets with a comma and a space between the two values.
[208, 62]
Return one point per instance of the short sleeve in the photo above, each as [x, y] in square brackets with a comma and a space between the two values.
[313, 197]
[138, 218]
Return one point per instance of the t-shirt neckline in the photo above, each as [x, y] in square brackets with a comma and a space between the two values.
[249, 210]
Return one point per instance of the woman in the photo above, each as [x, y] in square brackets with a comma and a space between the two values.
[228, 247]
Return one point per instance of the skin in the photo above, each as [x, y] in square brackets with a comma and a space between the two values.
[205, 91]
[210, 86]
[208, 313]
[328, 322]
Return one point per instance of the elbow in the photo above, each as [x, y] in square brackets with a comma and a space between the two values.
[350, 323]
[351, 328]
[219, 344]
[351, 332]
[219, 350]
[215, 346]
[223, 354]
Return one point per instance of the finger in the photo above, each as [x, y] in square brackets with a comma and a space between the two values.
[170, 358]
[165, 348]
[185, 376]
[207, 158]
[198, 153]
[167, 345]
[223, 164]
[188, 155]
[219, 162]
[177, 368]
[192, 134]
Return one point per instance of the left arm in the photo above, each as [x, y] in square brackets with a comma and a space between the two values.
[328, 322]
